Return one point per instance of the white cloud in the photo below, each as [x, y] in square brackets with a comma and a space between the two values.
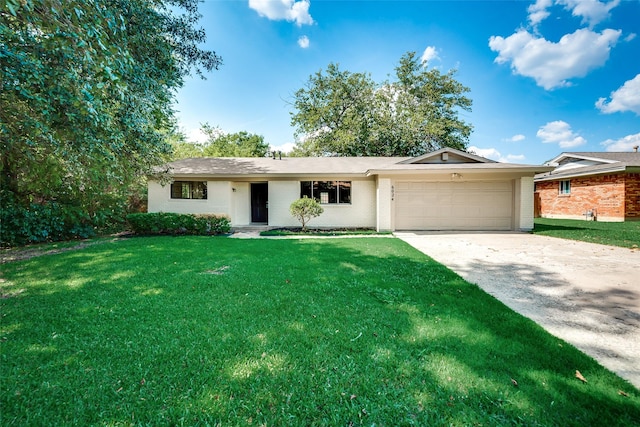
[552, 64]
[489, 153]
[623, 144]
[625, 98]
[289, 10]
[285, 148]
[538, 11]
[493, 154]
[592, 11]
[196, 135]
[515, 157]
[516, 138]
[303, 42]
[560, 133]
[429, 53]
[630, 37]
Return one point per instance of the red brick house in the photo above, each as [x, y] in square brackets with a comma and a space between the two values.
[590, 185]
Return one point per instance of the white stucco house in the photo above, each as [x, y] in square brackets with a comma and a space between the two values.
[446, 189]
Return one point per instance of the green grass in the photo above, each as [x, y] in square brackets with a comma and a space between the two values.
[624, 234]
[17, 253]
[218, 331]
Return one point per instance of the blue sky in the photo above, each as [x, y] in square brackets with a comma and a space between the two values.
[546, 76]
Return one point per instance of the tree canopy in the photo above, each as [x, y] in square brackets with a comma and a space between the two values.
[220, 144]
[86, 99]
[348, 114]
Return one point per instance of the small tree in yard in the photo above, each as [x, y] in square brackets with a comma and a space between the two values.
[304, 209]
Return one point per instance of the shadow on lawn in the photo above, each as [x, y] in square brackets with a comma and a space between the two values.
[404, 341]
[541, 228]
[590, 320]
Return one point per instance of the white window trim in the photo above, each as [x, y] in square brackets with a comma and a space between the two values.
[337, 181]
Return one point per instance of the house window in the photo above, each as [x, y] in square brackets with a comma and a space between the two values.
[189, 190]
[327, 192]
[565, 187]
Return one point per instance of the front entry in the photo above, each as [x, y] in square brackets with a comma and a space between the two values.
[260, 202]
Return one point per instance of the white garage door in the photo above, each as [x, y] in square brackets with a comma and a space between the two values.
[454, 205]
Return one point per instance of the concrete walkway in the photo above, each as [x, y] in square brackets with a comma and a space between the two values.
[583, 293]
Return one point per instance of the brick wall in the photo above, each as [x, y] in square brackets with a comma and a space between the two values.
[632, 196]
[604, 193]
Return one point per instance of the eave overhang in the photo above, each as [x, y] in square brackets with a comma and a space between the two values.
[577, 173]
[264, 176]
[462, 168]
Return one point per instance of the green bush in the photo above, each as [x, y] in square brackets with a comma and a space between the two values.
[42, 222]
[304, 210]
[174, 223]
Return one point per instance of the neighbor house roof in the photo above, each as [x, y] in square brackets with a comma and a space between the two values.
[435, 162]
[630, 157]
[584, 163]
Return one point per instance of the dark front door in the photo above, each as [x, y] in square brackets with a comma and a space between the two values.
[260, 202]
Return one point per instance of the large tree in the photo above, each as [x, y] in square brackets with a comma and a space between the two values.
[86, 97]
[334, 112]
[239, 144]
[348, 114]
[220, 144]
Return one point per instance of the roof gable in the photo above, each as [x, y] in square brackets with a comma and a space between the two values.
[572, 164]
[446, 155]
[596, 157]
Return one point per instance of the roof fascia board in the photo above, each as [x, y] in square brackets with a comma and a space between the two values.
[519, 169]
[268, 175]
[576, 174]
[562, 156]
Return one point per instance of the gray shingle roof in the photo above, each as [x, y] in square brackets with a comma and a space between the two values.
[238, 166]
[300, 166]
[631, 158]
[615, 162]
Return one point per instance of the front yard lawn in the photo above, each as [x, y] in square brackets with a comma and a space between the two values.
[624, 234]
[337, 332]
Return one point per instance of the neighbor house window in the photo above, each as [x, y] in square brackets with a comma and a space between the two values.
[565, 187]
[327, 192]
[189, 190]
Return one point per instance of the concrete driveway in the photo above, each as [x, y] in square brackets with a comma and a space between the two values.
[583, 293]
